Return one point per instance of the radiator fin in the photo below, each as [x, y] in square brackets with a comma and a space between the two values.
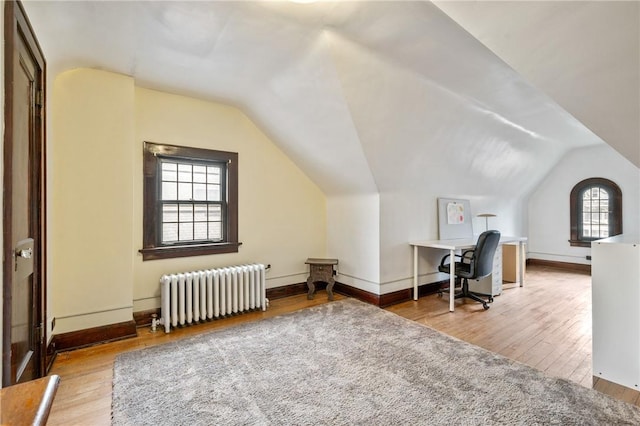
[190, 297]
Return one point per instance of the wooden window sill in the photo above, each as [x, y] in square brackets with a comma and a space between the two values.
[169, 252]
[579, 243]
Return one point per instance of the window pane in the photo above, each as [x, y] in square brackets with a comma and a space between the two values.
[170, 213]
[215, 231]
[199, 191]
[186, 231]
[215, 213]
[169, 191]
[213, 193]
[169, 171]
[213, 174]
[184, 191]
[200, 213]
[200, 174]
[186, 214]
[184, 172]
[169, 232]
[604, 194]
[200, 231]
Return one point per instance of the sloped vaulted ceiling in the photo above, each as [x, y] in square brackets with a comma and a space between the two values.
[366, 97]
[584, 54]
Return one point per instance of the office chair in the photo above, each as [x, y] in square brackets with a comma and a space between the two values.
[474, 264]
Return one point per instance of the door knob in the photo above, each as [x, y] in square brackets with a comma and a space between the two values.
[25, 254]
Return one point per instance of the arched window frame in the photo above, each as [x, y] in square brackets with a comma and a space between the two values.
[615, 209]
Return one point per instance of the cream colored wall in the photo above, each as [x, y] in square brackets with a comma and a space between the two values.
[282, 214]
[99, 121]
[91, 222]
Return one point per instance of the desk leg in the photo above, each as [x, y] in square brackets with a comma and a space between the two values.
[415, 272]
[452, 279]
[523, 263]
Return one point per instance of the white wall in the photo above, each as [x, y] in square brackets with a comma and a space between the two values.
[411, 215]
[549, 221]
[353, 237]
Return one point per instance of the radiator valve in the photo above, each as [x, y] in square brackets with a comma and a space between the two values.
[154, 322]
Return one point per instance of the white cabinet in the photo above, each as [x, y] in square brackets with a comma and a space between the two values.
[615, 277]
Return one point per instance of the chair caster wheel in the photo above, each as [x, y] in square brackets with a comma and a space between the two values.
[490, 299]
[485, 306]
[439, 294]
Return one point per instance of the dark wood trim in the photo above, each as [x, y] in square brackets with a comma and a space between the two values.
[169, 252]
[575, 209]
[17, 25]
[9, 46]
[143, 318]
[152, 247]
[291, 290]
[407, 294]
[51, 357]
[568, 266]
[382, 301]
[93, 336]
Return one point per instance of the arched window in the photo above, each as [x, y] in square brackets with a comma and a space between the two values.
[596, 211]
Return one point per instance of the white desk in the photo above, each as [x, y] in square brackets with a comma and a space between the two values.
[461, 244]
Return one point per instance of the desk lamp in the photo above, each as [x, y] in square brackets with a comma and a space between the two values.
[486, 219]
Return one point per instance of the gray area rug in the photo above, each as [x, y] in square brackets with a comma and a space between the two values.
[342, 363]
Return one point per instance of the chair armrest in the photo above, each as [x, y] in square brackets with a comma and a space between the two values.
[467, 255]
[445, 258]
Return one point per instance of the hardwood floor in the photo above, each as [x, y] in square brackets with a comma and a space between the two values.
[546, 324]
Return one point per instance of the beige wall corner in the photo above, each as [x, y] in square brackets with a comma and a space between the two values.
[92, 199]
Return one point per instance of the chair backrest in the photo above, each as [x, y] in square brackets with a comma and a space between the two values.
[484, 252]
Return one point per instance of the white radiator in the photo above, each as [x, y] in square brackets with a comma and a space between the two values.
[195, 296]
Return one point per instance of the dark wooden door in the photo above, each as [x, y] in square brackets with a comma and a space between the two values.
[23, 202]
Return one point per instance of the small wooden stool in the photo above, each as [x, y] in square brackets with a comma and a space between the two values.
[321, 270]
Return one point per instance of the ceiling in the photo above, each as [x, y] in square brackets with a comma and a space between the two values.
[585, 55]
[369, 97]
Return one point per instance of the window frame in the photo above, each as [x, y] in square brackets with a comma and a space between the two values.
[153, 248]
[615, 210]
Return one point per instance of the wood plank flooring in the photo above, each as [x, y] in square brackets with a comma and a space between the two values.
[546, 324]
